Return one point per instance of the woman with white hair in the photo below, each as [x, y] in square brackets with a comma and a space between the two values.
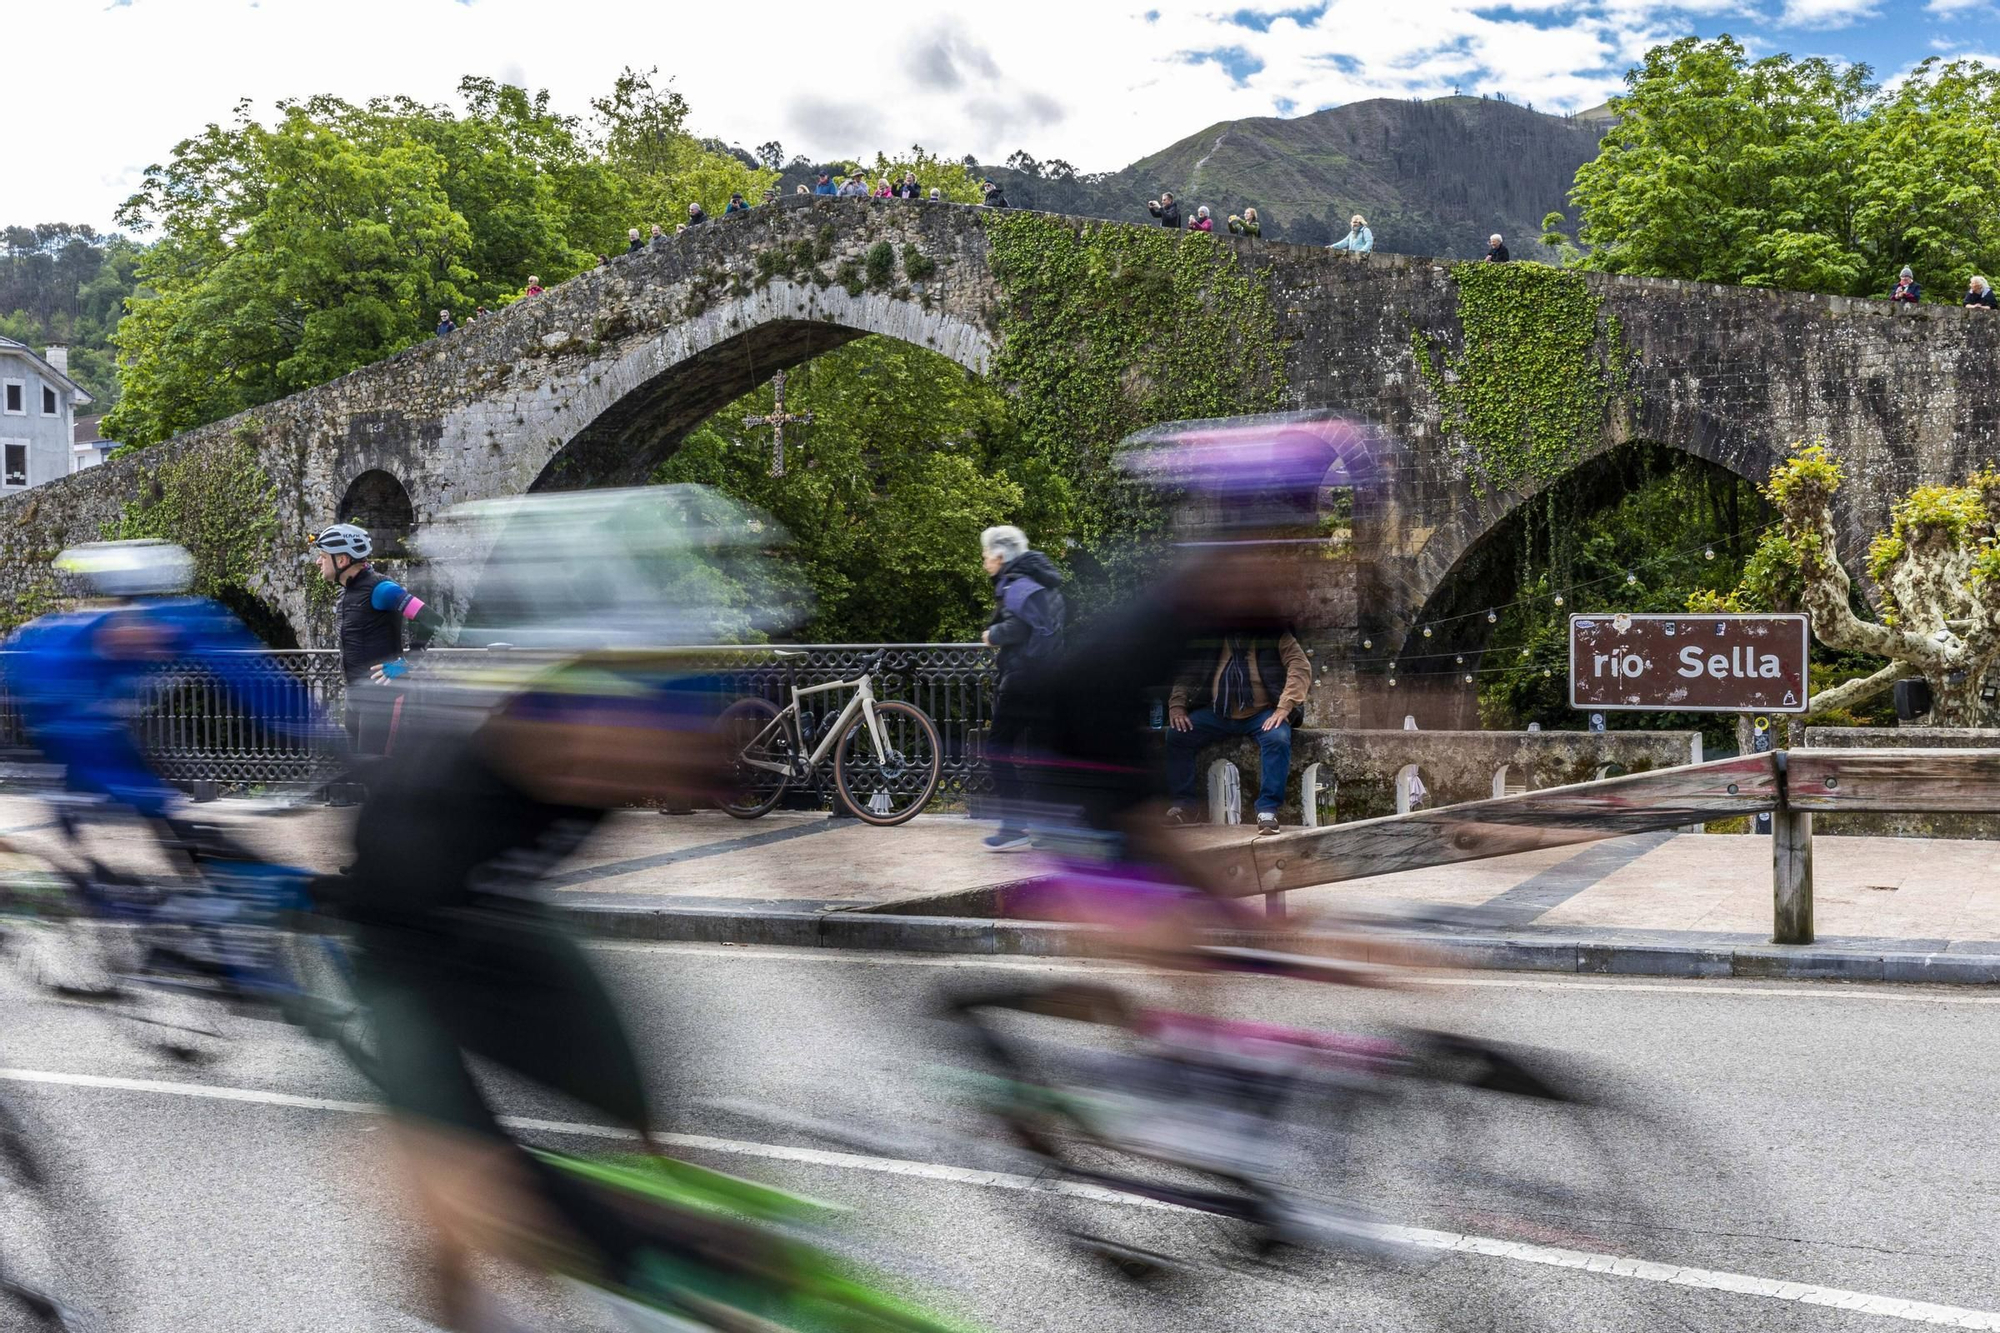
[1201, 221]
[1026, 633]
[1359, 239]
[1496, 250]
[1979, 292]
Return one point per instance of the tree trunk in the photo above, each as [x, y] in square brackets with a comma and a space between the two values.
[1956, 705]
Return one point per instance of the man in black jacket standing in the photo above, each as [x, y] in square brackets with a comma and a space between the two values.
[1027, 632]
[1165, 209]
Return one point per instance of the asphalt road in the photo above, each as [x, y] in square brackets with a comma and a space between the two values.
[1844, 1140]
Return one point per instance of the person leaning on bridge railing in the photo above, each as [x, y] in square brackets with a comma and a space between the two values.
[1358, 240]
[1906, 288]
[1979, 292]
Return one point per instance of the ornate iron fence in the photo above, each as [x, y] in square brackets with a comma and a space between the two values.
[194, 730]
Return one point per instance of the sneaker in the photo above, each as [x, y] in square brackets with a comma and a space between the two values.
[1267, 822]
[1006, 840]
[1176, 816]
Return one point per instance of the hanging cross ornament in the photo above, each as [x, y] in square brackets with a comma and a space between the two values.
[777, 420]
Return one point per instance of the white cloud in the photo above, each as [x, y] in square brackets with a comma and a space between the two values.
[1953, 8]
[1827, 13]
[1097, 82]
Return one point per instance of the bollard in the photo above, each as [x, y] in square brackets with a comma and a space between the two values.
[1791, 877]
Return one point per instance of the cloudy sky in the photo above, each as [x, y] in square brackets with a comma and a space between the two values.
[113, 84]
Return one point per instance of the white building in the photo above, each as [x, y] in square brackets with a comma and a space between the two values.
[38, 402]
[88, 447]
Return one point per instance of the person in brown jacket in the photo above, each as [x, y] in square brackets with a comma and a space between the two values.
[1241, 686]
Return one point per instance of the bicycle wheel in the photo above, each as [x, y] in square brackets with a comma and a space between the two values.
[324, 1003]
[749, 789]
[891, 786]
[51, 937]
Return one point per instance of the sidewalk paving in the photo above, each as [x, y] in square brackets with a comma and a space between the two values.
[802, 877]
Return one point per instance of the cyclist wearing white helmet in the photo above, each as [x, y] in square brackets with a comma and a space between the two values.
[371, 612]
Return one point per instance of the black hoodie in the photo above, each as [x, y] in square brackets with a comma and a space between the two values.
[1028, 614]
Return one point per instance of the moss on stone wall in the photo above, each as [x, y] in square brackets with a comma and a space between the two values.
[1540, 368]
[218, 502]
[1105, 329]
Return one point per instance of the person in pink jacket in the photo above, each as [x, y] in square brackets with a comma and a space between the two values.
[883, 189]
[1201, 221]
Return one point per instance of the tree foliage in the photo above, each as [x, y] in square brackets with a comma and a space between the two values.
[292, 252]
[908, 457]
[1801, 174]
[67, 284]
[1936, 568]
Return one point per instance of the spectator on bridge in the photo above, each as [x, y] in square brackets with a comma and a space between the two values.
[633, 244]
[885, 188]
[937, 195]
[534, 285]
[1496, 250]
[853, 187]
[771, 193]
[659, 234]
[735, 205]
[907, 188]
[696, 215]
[824, 185]
[480, 313]
[1247, 225]
[993, 195]
[1165, 209]
[445, 324]
[1359, 240]
[1026, 632]
[1906, 288]
[1241, 686]
[807, 190]
[1979, 292]
[1201, 221]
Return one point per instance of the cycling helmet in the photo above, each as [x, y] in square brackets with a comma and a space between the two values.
[143, 568]
[341, 539]
[1254, 477]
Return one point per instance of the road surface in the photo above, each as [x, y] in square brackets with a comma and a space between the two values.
[1848, 1135]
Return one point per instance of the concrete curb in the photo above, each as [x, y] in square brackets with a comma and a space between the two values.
[1044, 939]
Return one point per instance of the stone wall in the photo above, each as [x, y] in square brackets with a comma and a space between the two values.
[1455, 766]
[600, 378]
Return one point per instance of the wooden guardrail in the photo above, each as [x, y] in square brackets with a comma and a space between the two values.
[1789, 785]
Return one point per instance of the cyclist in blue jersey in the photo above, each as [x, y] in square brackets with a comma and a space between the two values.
[77, 675]
[371, 611]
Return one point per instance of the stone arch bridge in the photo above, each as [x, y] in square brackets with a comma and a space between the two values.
[597, 380]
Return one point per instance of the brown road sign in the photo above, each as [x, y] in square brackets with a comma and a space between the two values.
[1687, 663]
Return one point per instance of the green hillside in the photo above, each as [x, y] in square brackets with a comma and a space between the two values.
[1433, 178]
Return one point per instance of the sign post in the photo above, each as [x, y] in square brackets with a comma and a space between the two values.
[1672, 662]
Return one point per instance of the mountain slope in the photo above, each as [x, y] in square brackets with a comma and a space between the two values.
[1433, 178]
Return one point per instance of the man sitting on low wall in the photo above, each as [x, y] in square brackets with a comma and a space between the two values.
[1240, 686]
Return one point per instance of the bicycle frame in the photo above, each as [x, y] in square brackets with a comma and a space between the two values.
[863, 702]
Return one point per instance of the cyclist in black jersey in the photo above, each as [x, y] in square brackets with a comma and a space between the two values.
[371, 611]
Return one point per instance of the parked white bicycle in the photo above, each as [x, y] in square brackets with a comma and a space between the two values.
[886, 755]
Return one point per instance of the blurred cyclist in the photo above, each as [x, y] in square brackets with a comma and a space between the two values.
[509, 764]
[77, 675]
[1243, 497]
[371, 611]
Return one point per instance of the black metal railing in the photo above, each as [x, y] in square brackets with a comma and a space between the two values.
[196, 730]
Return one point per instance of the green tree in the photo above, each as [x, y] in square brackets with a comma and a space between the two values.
[1800, 174]
[294, 252]
[644, 138]
[908, 457]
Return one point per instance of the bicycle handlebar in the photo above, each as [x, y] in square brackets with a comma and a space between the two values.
[874, 664]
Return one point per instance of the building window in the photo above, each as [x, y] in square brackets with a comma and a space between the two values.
[17, 465]
[50, 407]
[17, 398]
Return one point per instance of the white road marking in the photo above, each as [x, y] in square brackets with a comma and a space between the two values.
[1610, 1265]
[1777, 990]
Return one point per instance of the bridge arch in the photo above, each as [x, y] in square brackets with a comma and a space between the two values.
[636, 410]
[1443, 554]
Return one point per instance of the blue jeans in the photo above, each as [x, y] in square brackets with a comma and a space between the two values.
[1274, 753]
